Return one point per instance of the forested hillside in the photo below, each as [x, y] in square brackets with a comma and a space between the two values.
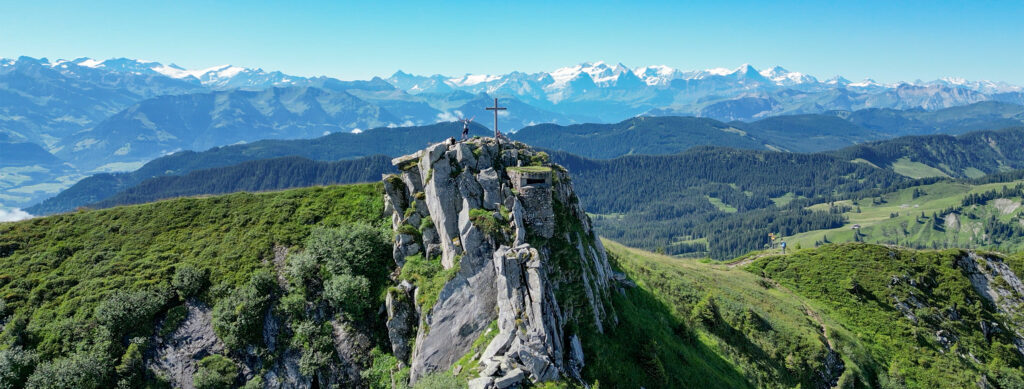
[805, 133]
[971, 155]
[977, 214]
[254, 176]
[715, 201]
[386, 141]
[985, 115]
[639, 135]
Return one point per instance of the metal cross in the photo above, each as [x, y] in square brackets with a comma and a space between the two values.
[496, 108]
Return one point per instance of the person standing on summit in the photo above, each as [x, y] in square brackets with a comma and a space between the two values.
[465, 128]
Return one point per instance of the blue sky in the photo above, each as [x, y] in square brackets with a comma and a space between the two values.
[885, 40]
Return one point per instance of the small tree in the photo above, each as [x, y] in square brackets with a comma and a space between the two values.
[238, 318]
[16, 365]
[215, 372]
[124, 313]
[349, 294]
[189, 280]
[81, 370]
[350, 249]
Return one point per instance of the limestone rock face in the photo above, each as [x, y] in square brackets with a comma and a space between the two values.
[450, 192]
[178, 356]
[401, 320]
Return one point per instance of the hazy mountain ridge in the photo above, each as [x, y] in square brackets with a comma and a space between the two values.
[743, 93]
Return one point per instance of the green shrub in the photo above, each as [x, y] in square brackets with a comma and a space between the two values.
[125, 313]
[215, 372]
[485, 221]
[302, 268]
[426, 223]
[317, 345]
[539, 159]
[81, 371]
[706, 312]
[356, 248]
[132, 369]
[255, 383]
[238, 318]
[292, 304]
[408, 229]
[429, 276]
[349, 294]
[14, 333]
[190, 281]
[16, 364]
[383, 371]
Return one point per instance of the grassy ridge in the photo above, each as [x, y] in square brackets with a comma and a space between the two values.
[854, 285]
[768, 319]
[713, 326]
[56, 270]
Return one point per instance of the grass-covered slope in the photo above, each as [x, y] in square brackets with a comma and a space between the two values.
[693, 324]
[75, 288]
[916, 313]
[849, 315]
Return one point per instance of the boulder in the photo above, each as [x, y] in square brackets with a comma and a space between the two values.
[491, 187]
[513, 377]
[464, 154]
[481, 383]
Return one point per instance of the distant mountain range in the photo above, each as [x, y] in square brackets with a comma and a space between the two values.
[965, 156]
[613, 92]
[117, 114]
[333, 147]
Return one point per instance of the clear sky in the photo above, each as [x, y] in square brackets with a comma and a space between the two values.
[885, 40]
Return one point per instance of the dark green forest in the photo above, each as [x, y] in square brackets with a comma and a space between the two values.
[254, 176]
[657, 202]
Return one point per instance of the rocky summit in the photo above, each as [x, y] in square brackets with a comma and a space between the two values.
[526, 266]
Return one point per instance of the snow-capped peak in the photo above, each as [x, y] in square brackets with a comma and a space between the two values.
[837, 81]
[657, 74]
[222, 76]
[87, 62]
[745, 69]
[473, 79]
[601, 73]
[781, 76]
[866, 83]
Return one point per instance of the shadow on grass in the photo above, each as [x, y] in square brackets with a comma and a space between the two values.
[649, 347]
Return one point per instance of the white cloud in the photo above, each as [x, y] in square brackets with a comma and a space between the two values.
[452, 116]
[357, 131]
[13, 215]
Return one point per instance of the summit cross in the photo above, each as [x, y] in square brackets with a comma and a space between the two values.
[496, 108]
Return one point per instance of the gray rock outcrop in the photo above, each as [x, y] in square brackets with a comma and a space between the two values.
[500, 277]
